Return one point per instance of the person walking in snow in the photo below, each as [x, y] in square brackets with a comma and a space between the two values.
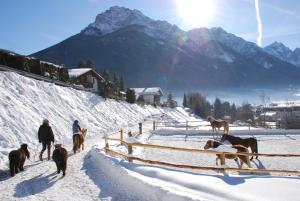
[45, 135]
[76, 128]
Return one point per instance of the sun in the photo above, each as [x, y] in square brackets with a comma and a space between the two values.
[196, 12]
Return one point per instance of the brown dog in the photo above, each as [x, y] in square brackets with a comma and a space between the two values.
[17, 159]
[78, 140]
[60, 156]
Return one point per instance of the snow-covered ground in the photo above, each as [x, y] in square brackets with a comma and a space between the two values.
[92, 175]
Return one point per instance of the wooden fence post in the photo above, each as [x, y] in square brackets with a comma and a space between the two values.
[140, 128]
[129, 147]
[121, 136]
[154, 125]
[106, 144]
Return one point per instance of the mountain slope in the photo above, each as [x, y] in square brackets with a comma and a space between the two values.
[129, 43]
[280, 51]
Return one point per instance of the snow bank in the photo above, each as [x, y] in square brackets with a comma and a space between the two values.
[26, 102]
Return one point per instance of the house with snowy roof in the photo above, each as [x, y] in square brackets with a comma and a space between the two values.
[149, 95]
[285, 112]
[86, 78]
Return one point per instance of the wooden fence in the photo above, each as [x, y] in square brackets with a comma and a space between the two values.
[185, 124]
[131, 158]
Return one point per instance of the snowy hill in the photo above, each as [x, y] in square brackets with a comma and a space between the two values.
[26, 102]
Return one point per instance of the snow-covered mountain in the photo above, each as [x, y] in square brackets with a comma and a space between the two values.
[280, 51]
[116, 18]
[127, 42]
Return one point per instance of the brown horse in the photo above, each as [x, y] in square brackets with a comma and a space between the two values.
[78, 140]
[218, 124]
[240, 149]
[246, 142]
[17, 159]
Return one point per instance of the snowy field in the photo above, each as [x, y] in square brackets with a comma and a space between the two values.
[92, 175]
[209, 185]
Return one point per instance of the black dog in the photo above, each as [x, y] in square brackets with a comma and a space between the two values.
[60, 156]
[17, 159]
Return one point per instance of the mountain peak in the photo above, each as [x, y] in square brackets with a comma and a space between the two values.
[282, 52]
[115, 18]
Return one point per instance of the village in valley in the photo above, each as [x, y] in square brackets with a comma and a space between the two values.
[129, 109]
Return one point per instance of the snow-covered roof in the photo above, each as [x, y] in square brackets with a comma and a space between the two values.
[148, 91]
[284, 104]
[45, 62]
[76, 72]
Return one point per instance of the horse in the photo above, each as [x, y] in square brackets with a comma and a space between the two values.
[78, 140]
[246, 142]
[17, 159]
[240, 149]
[60, 156]
[218, 124]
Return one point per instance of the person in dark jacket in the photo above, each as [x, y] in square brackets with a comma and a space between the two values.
[46, 136]
[76, 128]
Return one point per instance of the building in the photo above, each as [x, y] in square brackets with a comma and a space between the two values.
[86, 78]
[148, 95]
[285, 114]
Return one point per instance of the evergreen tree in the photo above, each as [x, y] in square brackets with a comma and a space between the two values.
[184, 102]
[122, 88]
[233, 112]
[130, 96]
[81, 64]
[106, 75]
[218, 112]
[170, 102]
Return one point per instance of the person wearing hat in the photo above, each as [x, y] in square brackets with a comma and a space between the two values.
[76, 128]
[45, 135]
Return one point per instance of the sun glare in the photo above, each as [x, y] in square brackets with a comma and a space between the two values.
[196, 12]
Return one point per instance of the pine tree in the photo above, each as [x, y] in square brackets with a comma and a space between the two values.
[130, 96]
[184, 103]
[218, 112]
[170, 102]
[122, 88]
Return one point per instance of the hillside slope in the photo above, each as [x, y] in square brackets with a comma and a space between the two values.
[26, 102]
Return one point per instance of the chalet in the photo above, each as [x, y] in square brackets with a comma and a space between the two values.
[86, 78]
[149, 95]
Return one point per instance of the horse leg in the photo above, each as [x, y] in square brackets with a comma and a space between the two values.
[237, 162]
[82, 146]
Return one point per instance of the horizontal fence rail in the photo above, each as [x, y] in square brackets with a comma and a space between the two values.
[129, 157]
[200, 150]
[227, 169]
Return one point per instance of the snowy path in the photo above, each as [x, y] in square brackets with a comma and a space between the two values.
[39, 181]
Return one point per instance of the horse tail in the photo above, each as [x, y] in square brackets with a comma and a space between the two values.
[226, 127]
[75, 142]
[255, 147]
[11, 164]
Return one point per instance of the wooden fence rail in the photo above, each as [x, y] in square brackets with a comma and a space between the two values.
[228, 169]
[199, 150]
[130, 158]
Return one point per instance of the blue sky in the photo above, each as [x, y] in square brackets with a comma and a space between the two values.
[32, 25]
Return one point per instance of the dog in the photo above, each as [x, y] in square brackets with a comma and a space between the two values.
[78, 140]
[240, 149]
[60, 157]
[17, 159]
